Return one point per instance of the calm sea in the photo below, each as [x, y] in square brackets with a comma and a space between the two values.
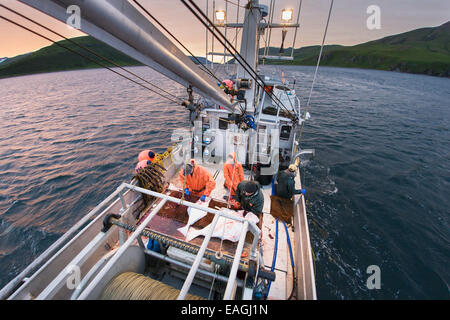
[377, 190]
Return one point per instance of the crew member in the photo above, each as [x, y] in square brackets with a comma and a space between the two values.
[233, 173]
[249, 197]
[286, 183]
[227, 86]
[199, 181]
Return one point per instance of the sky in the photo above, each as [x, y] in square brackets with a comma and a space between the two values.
[348, 24]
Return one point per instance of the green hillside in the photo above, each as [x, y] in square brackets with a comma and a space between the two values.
[424, 51]
[299, 54]
[55, 58]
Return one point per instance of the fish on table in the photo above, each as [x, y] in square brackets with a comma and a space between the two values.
[194, 215]
[226, 229]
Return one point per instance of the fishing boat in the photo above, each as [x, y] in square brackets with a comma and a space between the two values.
[130, 245]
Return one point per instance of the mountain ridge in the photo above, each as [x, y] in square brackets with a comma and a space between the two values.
[422, 51]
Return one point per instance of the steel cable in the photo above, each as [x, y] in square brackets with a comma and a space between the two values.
[89, 58]
[241, 61]
[317, 69]
[179, 42]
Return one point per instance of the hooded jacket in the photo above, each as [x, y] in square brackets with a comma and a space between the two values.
[253, 203]
[233, 174]
[286, 185]
[200, 182]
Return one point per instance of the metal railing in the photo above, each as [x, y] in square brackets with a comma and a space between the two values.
[247, 226]
[13, 284]
[117, 195]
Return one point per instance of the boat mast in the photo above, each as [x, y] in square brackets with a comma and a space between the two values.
[249, 50]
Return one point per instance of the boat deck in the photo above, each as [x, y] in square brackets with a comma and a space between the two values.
[173, 216]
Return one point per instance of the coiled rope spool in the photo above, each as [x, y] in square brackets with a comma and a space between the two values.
[135, 286]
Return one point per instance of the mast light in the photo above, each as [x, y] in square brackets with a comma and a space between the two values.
[286, 15]
[220, 16]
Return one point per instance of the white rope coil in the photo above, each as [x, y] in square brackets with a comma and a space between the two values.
[135, 286]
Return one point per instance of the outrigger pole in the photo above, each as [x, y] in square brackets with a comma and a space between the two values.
[120, 25]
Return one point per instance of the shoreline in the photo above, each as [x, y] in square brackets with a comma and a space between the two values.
[266, 64]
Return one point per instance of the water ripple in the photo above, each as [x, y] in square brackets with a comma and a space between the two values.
[377, 190]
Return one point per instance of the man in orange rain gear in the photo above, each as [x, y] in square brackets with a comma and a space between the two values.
[233, 173]
[199, 181]
[227, 86]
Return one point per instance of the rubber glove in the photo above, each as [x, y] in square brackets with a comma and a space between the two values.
[187, 192]
[203, 198]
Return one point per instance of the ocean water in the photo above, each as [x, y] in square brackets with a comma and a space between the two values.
[377, 190]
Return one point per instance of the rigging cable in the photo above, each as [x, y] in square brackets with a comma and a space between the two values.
[237, 21]
[247, 67]
[309, 99]
[255, 75]
[88, 50]
[296, 28]
[317, 69]
[206, 40]
[179, 42]
[88, 58]
[236, 4]
[223, 59]
[226, 22]
[268, 37]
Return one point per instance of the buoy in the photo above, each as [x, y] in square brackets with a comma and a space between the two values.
[142, 164]
[146, 155]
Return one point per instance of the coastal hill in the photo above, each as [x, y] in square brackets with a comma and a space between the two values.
[56, 58]
[423, 51]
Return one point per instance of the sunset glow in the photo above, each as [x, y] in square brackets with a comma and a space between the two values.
[348, 23]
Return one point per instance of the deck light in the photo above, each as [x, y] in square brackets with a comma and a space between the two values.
[286, 15]
[220, 16]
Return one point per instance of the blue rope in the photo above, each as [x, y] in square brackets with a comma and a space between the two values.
[274, 260]
[289, 243]
[292, 260]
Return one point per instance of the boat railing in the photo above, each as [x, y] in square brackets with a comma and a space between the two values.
[44, 257]
[246, 226]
